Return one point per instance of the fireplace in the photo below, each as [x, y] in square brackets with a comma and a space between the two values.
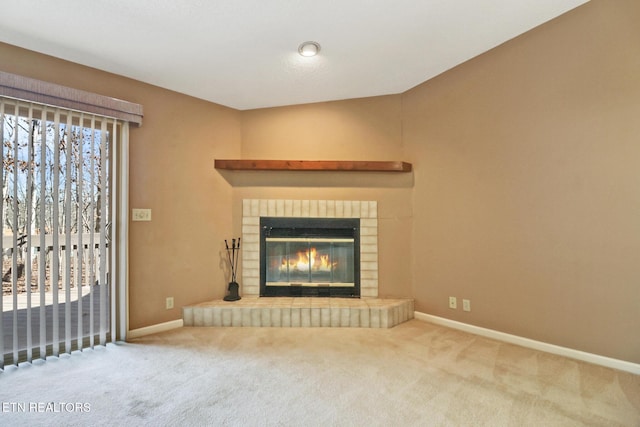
[363, 212]
[310, 257]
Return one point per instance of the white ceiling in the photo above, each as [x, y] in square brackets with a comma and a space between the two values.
[243, 53]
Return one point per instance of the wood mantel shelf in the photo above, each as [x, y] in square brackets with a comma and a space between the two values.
[314, 165]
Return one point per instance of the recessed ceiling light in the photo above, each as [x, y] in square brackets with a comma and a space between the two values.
[309, 49]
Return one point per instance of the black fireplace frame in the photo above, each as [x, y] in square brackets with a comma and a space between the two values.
[310, 227]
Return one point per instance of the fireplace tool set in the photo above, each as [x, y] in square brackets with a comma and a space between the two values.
[233, 253]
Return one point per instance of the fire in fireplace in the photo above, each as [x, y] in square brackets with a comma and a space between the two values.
[310, 257]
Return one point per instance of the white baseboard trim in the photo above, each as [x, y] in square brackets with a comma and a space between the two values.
[608, 362]
[154, 329]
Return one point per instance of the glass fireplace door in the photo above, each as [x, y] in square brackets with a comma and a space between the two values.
[309, 262]
[310, 257]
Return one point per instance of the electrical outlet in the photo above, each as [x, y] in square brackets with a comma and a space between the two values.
[466, 304]
[453, 302]
[141, 214]
[169, 303]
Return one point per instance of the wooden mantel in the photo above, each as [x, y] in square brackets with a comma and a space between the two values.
[314, 165]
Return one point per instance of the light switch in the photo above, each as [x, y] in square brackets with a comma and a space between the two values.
[141, 215]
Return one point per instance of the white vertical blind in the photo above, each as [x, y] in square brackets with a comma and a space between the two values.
[67, 237]
[92, 226]
[78, 259]
[29, 231]
[103, 235]
[42, 277]
[55, 271]
[14, 252]
[55, 211]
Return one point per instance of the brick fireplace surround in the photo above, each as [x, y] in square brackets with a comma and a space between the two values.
[366, 211]
[367, 311]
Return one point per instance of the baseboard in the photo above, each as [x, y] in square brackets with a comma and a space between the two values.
[608, 362]
[154, 329]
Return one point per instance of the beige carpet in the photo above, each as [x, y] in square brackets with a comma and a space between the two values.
[414, 374]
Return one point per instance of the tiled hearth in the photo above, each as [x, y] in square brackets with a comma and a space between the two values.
[301, 312]
[365, 312]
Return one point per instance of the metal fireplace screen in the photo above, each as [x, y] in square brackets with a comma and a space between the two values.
[310, 257]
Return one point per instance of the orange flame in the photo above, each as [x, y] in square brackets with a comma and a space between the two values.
[308, 259]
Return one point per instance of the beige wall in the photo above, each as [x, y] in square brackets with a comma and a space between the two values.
[527, 184]
[365, 128]
[356, 129]
[171, 172]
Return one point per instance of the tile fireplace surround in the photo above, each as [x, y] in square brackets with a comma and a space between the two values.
[366, 211]
[367, 311]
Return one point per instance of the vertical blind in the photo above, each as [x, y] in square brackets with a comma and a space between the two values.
[56, 217]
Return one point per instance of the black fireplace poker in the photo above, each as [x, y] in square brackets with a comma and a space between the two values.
[233, 253]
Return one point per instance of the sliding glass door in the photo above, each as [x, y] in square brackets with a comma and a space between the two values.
[57, 213]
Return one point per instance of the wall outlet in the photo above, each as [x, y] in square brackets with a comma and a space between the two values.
[141, 214]
[466, 304]
[453, 302]
[169, 303]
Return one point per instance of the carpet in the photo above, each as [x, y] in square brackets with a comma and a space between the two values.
[416, 373]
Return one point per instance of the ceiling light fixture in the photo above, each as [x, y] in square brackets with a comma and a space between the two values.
[309, 49]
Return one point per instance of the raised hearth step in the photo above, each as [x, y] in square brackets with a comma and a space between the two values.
[300, 312]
